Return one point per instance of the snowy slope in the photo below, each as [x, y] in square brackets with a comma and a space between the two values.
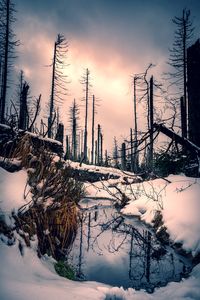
[28, 277]
[179, 203]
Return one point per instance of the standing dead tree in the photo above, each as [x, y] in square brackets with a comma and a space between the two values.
[178, 60]
[93, 113]
[99, 146]
[141, 95]
[115, 153]
[86, 82]
[8, 43]
[23, 111]
[74, 117]
[59, 79]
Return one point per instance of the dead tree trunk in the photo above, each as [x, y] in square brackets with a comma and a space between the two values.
[183, 118]
[106, 158]
[93, 113]
[101, 149]
[86, 114]
[96, 153]
[135, 161]
[123, 156]
[60, 133]
[51, 109]
[67, 153]
[23, 113]
[178, 139]
[5, 65]
[151, 124]
[132, 158]
[98, 144]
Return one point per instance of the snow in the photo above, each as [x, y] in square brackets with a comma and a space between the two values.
[28, 277]
[103, 170]
[179, 204]
[12, 187]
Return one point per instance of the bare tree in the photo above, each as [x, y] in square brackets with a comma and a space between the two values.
[59, 79]
[8, 43]
[115, 153]
[86, 82]
[178, 60]
[23, 111]
[74, 117]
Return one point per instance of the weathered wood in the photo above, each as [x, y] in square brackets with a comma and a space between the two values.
[177, 138]
[193, 86]
[150, 160]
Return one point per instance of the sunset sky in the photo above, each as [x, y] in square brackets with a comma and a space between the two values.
[113, 38]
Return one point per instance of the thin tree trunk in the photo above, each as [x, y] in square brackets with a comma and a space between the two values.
[93, 112]
[123, 156]
[185, 73]
[5, 66]
[101, 147]
[135, 162]
[151, 124]
[96, 153]
[132, 158]
[98, 144]
[106, 158]
[86, 115]
[23, 114]
[50, 119]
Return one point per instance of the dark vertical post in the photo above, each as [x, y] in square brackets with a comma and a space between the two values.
[86, 114]
[51, 109]
[23, 113]
[101, 148]
[132, 159]
[135, 163]
[5, 65]
[67, 148]
[106, 158]
[123, 156]
[93, 112]
[185, 70]
[183, 118]
[96, 153]
[98, 144]
[151, 124]
[60, 133]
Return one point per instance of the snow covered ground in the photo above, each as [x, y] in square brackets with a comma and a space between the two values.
[179, 203]
[28, 277]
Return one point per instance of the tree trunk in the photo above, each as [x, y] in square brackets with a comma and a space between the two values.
[123, 156]
[51, 109]
[23, 113]
[86, 115]
[5, 65]
[98, 144]
[101, 148]
[151, 124]
[185, 73]
[93, 112]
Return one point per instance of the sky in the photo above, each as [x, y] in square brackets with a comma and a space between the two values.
[114, 39]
